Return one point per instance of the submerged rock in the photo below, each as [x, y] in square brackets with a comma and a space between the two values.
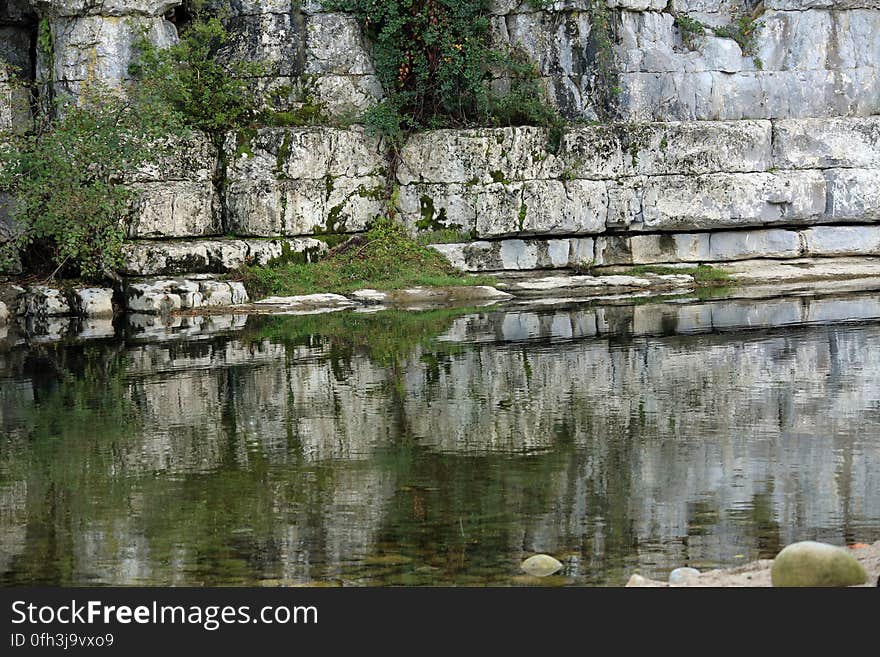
[681, 575]
[541, 565]
[810, 563]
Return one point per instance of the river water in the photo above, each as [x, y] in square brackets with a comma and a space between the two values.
[438, 447]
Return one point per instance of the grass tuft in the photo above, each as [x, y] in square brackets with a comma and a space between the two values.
[385, 258]
[703, 274]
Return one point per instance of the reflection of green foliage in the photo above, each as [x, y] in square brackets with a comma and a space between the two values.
[81, 415]
[387, 337]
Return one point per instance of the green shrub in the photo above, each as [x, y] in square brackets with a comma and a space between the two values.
[690, 29]
[209, 92]
[436, 65]
[70, 206]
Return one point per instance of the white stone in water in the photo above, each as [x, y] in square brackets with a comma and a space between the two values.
[810, 563]
[541, 565]
[370, 296]
[94, 302]
[682, 575]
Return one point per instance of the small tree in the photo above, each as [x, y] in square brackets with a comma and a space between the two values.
[70, 206]
[211, 92]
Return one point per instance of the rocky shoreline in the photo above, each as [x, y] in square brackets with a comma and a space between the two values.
[209, 294]
[758, 573]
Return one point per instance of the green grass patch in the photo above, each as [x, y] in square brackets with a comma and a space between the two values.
[703, 274]
[385, 258]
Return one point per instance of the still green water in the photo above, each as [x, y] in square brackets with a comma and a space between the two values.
[439, 447]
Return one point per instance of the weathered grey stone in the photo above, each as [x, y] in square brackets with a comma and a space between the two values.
[559, 45]
[215, 293]
[306, 303]
[151, 299]
[825, 143]
[637, 5]
[142, 258]
[516, 254]
[818, 40]
[99, 49]
[610, 151]
[705, 96]
[93, 302]
[853, 194]
[744, 244]
[105, 7]
[721, 246]
[651, 249]
[346, 97]
[727, 200]
[541, 565]
[192, 158]
[800, 5]
[479, 156]
[296, 181]
[15, 109]
[430, 206]
[809, 563]
[842, 240]
[264, 207]
[4, 313]
[334, 45]
[176, 208]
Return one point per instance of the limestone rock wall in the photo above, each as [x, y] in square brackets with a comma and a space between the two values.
[721, 147]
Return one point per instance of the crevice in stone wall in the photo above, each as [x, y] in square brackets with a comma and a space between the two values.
[180, 17]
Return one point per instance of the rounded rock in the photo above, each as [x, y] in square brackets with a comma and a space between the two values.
[541, 565]
[680, 576]
[810, 563]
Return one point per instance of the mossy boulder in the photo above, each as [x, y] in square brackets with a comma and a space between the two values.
[541, 565]
[810, 563]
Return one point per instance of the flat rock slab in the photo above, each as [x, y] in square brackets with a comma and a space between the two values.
[303, 302]
[752, 272]
[597, 285]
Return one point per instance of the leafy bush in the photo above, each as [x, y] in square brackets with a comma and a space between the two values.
[67, 179]
[210, 93]
[435, 62]
[70, 206]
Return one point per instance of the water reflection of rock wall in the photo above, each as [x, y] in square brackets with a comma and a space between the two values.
[650, 437]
